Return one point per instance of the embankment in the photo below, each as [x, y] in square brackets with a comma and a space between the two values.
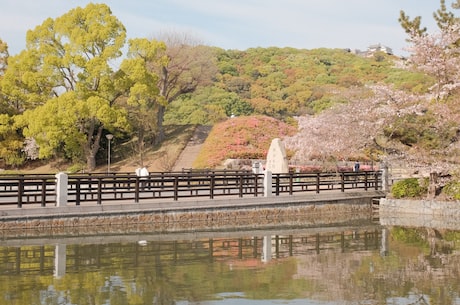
[190, 215]
[420, 213]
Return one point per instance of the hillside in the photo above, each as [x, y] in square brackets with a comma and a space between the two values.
[342, 105]
[345, 106]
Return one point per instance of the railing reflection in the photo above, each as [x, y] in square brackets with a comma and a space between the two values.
[239, 251]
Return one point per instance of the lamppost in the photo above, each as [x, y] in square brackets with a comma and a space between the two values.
[109, 137]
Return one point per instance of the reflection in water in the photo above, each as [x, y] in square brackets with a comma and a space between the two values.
[330, 265]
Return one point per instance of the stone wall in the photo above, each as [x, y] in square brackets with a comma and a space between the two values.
[425, 207]
[201, 219]
[420, 213]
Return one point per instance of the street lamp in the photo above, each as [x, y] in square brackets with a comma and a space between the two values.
[109, 137]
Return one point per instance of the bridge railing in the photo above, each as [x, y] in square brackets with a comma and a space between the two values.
[100, 187]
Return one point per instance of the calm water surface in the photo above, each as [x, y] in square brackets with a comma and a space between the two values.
[359, 263]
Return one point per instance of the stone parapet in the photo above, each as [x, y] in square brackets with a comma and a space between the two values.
[192, 215]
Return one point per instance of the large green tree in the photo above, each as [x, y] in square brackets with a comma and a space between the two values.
[65, 85]
[11, 140]
[144, 99]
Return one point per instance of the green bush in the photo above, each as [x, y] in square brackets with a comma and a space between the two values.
[407, 188]
[452, 189]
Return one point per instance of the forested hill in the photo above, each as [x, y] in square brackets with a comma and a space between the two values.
[345, 106]
[287, 82]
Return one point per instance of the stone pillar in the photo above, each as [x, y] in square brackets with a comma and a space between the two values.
[277, 161]
[61, 189]
[385, 178]
[267, 183]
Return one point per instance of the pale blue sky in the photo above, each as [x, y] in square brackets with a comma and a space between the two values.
[240, 24]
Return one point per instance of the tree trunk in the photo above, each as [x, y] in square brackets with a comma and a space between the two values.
[160, 129]
[161, 109]
[92, 145]
[90, 162]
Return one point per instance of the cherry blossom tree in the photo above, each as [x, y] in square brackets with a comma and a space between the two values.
[438, 55]
[354, 129]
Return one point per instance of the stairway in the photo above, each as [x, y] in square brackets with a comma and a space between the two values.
[191, 151]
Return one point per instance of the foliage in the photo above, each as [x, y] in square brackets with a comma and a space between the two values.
[143, 98]
[209, 105]
[65, 84]
[452, 189]
[241, 138]
[189, 65]
[412, 128]
[409, 187]
[10, 142]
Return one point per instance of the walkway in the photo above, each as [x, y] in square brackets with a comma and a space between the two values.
[184, 204]
[191, 151]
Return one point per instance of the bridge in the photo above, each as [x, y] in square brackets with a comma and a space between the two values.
[19, 190]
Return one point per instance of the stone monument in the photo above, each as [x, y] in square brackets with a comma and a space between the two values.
[277, 161]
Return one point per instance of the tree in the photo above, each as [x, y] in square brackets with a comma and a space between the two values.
[10, 138]
[189, 65]
[436, 54]
[445, 18]
[3, 57]
[65, 80]
[347, 130]
[144, 97]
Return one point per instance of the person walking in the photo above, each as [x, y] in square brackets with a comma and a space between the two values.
[356, 167]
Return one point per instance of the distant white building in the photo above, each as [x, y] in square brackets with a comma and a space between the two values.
[372, 49]
[379, 48]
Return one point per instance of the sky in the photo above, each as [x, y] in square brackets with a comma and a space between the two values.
[240, 24]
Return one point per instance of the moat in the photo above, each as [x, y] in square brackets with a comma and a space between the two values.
[358, 261]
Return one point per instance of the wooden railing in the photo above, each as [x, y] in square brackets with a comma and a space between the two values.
[100, 187]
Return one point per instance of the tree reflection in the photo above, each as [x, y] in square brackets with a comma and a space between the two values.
[353, 265]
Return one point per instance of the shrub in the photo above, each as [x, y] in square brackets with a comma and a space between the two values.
[407, 188]
[452, 189]
[241, 138]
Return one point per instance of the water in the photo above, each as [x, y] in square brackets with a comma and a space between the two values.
[354, 263]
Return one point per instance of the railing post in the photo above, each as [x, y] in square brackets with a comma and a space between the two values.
[136, 190]
[99, 190]
[43, 192]
[176, 188]
[241, 185]
[20, 191]
[77, 192]
[61, 189]
[211, 186]
[365, 181]
[317, 182]
[277, 184]
[342, 181]
[256, 185]
[291, 186]
[267, 183]
[376, 183]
